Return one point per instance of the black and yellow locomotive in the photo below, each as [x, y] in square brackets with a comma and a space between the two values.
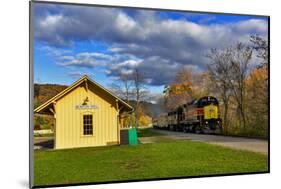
[198, 116]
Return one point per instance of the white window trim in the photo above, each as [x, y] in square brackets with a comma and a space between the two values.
[82, 124]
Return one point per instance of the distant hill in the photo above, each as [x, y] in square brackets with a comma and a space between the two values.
[44, 92]
[150, 109]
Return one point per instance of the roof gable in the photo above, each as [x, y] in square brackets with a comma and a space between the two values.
[72, 87]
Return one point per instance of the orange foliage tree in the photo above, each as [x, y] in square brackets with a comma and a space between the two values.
[179, 91]
[257, 100]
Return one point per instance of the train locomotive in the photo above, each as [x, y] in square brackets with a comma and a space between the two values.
[198, 116]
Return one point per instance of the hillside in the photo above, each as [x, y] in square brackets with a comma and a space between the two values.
[43, 92]
[150, 109]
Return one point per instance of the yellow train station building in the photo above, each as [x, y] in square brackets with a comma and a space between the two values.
[86, 114]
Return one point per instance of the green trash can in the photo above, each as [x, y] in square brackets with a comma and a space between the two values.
[133, 137]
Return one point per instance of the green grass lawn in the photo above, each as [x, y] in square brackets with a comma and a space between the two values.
[147, 132]
[145, 161]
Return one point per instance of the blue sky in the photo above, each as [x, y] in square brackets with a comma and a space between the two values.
[106, 43]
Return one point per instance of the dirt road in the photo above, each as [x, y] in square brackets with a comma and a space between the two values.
[255, 145]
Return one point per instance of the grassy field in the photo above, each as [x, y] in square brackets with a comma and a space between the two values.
[147, 132]
[145, 161]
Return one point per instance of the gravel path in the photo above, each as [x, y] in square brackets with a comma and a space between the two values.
[255, 145]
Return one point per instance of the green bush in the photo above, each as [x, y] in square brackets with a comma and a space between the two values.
[45, 126]
[42, 123]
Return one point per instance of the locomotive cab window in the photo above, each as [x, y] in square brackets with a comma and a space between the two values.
[205, 101]
[88, 124]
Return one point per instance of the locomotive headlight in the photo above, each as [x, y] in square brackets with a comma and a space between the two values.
[206, 122]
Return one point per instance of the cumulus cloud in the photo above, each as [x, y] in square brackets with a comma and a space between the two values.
[84, 59]
[158, 46]
[252, 26]
[156, 70]
[53, 51]
[68, 58]
[79, 60]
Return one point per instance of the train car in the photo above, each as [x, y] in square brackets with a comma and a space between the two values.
[175, 118]
[163, 121]
[199, 116]
[172, 120]
[155, 123]
[202, 116]
[160, 122]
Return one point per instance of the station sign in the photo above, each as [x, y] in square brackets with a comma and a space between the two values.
[78, 107]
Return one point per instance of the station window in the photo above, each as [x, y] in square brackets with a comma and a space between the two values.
[88, 124]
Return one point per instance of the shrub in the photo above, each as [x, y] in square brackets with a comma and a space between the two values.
[37, 127]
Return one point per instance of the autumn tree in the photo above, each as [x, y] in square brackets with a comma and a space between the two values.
[139, 91]
[202, 85]
[144, 119]
[123, 86]
[240, 56]
[184, 76]
[219, 73]
[257, 101]
[260, 74]
[179, 91]
[257, 88]
[260, 45]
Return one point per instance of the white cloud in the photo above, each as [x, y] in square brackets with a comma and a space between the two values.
[84, 59]
[124, 23]
[129, 63]
[68, 58]
[253, 25]
[51, 21]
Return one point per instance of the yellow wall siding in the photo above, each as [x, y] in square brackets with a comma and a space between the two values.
[69, 120]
